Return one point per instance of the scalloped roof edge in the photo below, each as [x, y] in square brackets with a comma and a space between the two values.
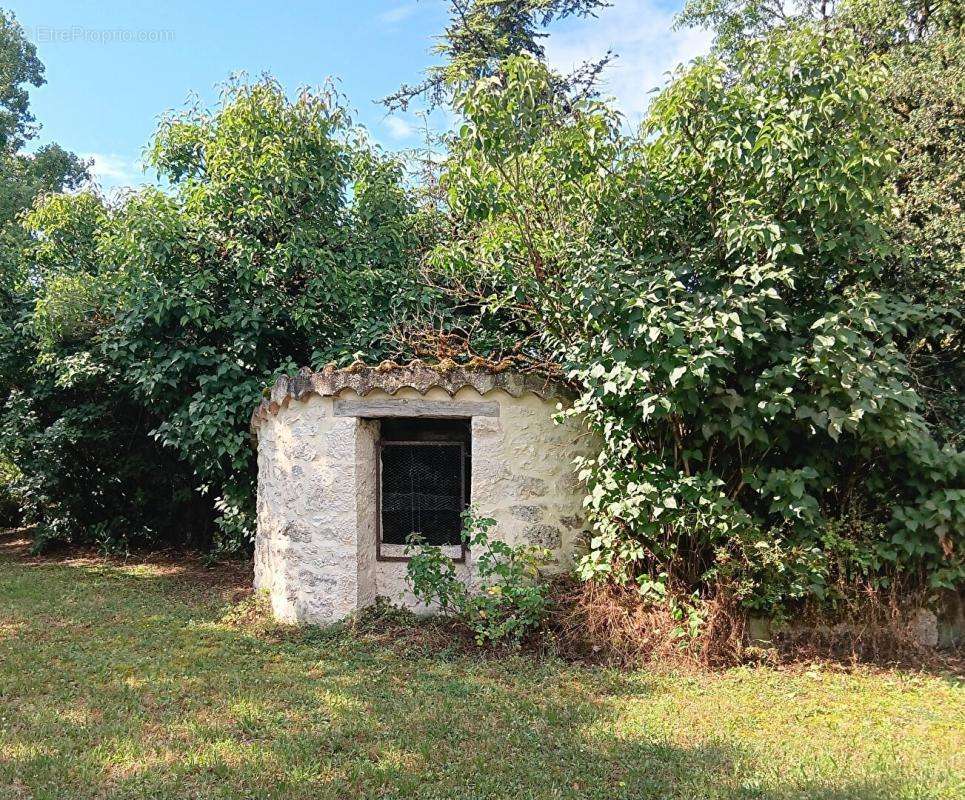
[389, 377]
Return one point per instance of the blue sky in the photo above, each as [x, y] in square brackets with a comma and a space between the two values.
[114, 67]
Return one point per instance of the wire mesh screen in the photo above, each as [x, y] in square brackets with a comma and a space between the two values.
[422, 492]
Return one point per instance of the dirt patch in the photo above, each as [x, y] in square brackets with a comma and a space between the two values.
[15, 544]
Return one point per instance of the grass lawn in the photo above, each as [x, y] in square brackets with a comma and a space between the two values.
[131, 681]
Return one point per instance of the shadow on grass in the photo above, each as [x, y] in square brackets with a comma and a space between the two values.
[125, 682]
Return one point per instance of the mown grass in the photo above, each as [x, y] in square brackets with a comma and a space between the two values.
[131, 681]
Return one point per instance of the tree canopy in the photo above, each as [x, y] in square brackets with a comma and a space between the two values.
[482, 34]
[738, 289]
[285, 240]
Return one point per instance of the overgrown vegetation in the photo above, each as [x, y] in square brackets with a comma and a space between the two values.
[757, 296]
[285, 240]
[726, 287]
[507, 597]
[23, 177]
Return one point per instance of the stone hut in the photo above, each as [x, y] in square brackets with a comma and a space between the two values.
[351, 461]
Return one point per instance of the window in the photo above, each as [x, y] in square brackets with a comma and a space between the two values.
[424, 478]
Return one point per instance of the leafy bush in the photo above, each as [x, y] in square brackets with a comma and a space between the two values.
[506, 599]
[87, 466]
[715, 287]
[88, 470]
[285, 240]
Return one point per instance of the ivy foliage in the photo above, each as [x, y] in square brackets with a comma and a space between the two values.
[716, 285]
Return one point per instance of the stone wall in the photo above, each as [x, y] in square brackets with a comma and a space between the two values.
[315, 547]
[308, 551]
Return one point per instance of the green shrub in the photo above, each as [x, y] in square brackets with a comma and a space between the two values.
[716, 288]
[506, 598]
[152, 324]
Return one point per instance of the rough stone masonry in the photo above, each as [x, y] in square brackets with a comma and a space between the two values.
[315, 550]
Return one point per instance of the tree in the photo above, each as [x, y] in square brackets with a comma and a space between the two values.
[286, 240]
[921, 45]
[482, 34]
[87, 467]
[716, 287]
[19, 68]
[23, 177]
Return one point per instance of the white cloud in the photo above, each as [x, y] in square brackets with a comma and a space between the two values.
[397, 14]
[640, 33]
[112, 171]
[398, 127]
